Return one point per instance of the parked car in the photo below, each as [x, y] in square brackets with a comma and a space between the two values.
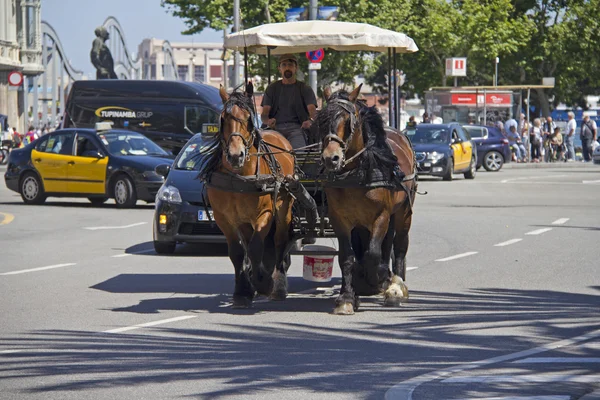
[443, 150]
[180, 213]
[493, 148]
[97, 164]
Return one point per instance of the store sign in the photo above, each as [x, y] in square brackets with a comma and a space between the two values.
[477, 100]
[456, 66]
[466, 99]
[498, 99]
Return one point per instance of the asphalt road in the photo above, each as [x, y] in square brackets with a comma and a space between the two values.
[504, 303]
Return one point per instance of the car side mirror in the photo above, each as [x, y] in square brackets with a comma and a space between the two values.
[163, 170]
[93, 154]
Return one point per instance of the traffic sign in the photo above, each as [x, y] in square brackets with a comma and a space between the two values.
[314, 66]
[315, 56]
[15, 78]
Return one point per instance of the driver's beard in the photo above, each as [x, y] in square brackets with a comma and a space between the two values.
[287, 74]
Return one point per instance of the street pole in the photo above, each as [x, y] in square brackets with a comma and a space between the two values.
[312, 74]
[496, 74]
[236, 54]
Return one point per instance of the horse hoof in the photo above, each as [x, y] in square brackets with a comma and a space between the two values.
[242, 302]
[278, 295]
[396, 293]
[344, 309]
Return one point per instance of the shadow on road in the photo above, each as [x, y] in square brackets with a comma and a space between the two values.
[67, 204]
[182, 250]
[252, 357]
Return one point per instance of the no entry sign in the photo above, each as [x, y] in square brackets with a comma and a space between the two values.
[15, 78]
[315, 56]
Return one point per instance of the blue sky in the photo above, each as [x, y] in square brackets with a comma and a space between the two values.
[75, 21]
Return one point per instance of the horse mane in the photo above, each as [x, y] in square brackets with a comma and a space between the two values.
[378, 153]
[213, 154]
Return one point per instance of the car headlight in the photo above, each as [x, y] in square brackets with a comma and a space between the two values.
[435, 156]
[169, 193]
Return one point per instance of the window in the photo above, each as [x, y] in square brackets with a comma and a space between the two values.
[59, 143]
[215, 72]
[199, 73]
[201, 120]
[86, 147]
[182, 71]
[153, 71]
[476, 131]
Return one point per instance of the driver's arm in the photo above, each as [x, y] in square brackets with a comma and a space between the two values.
[312, 111]
[264, 115]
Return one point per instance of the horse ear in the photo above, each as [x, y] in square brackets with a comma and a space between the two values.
[354, 95]
[327, 93]
[223, 93]
[249, 89]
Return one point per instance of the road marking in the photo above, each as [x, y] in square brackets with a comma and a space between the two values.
[508, 242]
[147, 324]
[411, 268]
[560, 221]
[538, 378]
[586, 182]
[10, 351]
[539, 231]
[551, 397]
[512, 180]
[543, 360]
[98, 228]
[37, 269]
[470, 253]
[404, 390]
[135, 252]
[8, 218]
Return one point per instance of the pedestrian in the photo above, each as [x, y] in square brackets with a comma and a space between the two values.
[289, 106]
[570, 139]
[426, 119]
[30, 136]
[535, 139]
[547, 129]
[510, 123]
[411, 124]
[517, 144]
[589, 133]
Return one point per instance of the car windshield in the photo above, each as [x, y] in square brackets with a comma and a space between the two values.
[190, 158]
[130, 144]
[431, 135]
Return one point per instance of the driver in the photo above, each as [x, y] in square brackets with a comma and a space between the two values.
[289, 106]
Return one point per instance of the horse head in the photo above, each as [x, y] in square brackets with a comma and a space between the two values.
[339, 128]
[238, 132]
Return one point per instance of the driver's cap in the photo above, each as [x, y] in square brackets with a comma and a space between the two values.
[288, 57]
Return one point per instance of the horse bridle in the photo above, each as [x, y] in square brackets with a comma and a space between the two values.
[350, 108]
[247, 143]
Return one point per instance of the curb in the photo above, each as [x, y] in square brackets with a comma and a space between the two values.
[556, 165]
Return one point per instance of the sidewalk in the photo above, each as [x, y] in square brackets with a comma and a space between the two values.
[556, 165]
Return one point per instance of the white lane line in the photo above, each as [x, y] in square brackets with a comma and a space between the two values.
[135, 252]
[147, 324]
[543, 360]
[538, 378]
[10, 351]
[586, 182]
[97, 228]
[404, 390]
[560, 221]
[508, 242]
[411, 268]
[514, 180]
[23, 271]
[469, 253]
[539, 231]
[551, 397]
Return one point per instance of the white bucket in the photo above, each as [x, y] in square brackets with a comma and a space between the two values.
[318, 268]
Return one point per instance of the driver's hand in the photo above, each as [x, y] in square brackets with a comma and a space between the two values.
[271, 123]
[307, 124]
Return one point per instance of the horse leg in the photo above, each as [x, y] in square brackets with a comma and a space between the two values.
[385, 275]
[243, 292]
[397, 292]
[347, 302]
[372, 258]
[261, 278]
[282, 257]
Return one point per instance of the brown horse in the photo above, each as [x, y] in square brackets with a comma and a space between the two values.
[256, 223]
[367, 220]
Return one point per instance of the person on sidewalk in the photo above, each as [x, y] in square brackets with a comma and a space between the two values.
[589, 133]
[570, 138]
[517, 144]
[535, 139]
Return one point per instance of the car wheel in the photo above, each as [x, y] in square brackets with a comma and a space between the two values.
[124, 192]
[493, 161]
[164, 247]
[97, 200]
[32, 190]
[449, 171]
[470, 174]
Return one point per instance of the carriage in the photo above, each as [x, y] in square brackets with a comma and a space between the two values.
[259, 176]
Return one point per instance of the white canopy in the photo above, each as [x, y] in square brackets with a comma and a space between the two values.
[303, 36]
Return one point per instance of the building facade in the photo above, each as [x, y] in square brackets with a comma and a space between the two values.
[194, 62]
[20, 50]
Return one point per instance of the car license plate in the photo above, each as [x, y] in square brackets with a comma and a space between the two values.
[202, 216]
[427, 164]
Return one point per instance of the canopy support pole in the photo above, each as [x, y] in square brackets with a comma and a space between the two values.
[245, 67]
[395, 88]
[268, 66]
[389, 80]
